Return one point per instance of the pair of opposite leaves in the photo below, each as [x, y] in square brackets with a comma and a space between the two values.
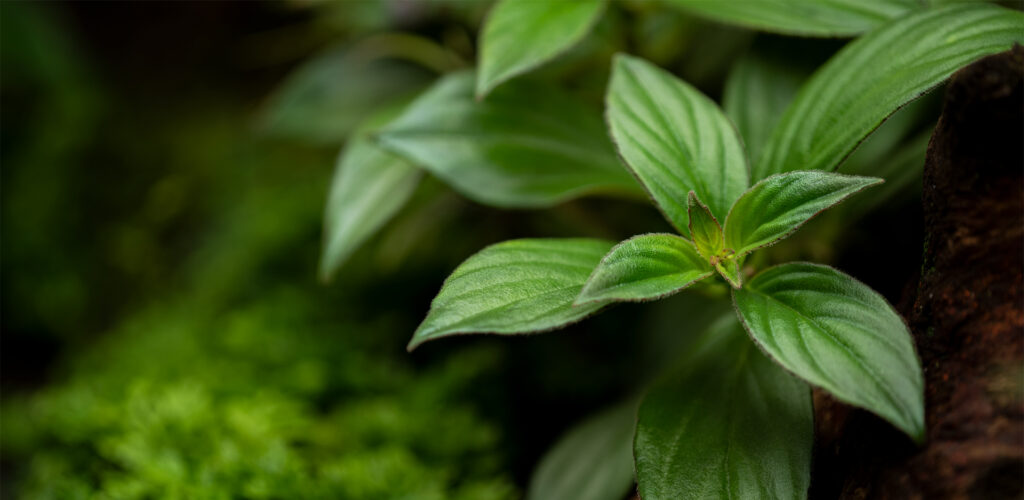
[802, 314]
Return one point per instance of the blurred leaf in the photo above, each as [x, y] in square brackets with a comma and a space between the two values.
[645, 267]
[837, 333]
[744, 429]
[593, 461]
[777, 206]
[520, 35]
[517, 286]
[329, 95]
[873, 76]
[757, 92]
[674, 139]
[826, 18]
[527, 145]
[370, 186]
[900, 169]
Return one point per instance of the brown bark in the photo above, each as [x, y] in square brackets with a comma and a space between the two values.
[967, 315]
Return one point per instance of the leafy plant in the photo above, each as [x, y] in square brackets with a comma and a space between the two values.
[735, 417]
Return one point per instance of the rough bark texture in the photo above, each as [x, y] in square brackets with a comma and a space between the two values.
[967, 315]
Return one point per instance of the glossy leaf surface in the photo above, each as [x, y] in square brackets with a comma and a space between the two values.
[704, 229]
[674, 139]
[801, 17]
[645, 267]
[517, 286]
[370, 186]
[727, 423]
[777, 206]
[836, 333]
[520, 35]
[873, 76]
[527, 145]
[593, 461]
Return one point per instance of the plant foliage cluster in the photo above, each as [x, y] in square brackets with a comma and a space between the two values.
[734, 419]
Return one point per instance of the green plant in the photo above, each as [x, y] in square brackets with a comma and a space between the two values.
[733, 419]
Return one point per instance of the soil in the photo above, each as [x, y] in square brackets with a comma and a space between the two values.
[966, 314]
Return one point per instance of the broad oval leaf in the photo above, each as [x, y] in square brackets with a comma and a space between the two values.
[777, 206]
[520, 35]
[826, 18]
[370, 186]
[674, 139]
[517, 286]
[837, 333]
[645, 267]
[527, 145]
[873, 76]
[704, 229]
[593, 461]
[727, 423]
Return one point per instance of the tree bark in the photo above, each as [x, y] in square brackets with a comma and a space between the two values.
[967, 315]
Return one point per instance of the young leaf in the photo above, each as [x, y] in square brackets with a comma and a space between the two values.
[518, 286]
[729, 268]
[594, 461]
[704, 229]
[645, 267]
[826, 18]
[728, 423]
[777, 206]
[674, 139]
[370, 186]
[874, 75]
[527, 145]
[835, 332]
[520, 35]
[759, 88]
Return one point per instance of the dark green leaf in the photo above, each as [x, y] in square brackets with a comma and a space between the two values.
[801, 17]
[370, 186]
[645, 267]
[331, 94]
[704, 229]
[777, 206]
[876, 74]
[518, 286]
[728, 423]
[835, 332]
[527, 145]
[757, 92]
[674, 139]
[594, 461]
[520, 35]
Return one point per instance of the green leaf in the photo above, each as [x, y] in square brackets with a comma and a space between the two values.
[518, 286]
[674, 139]
[874, 75]
[836, 333]
[325, 99]
[645, 267]
[370, 186]
[527, 145]
[727, 423]
[824, 18]
[594, 461]
[704, 229]
[759, 88]
[729, 268]
[777, 206]
[520, 35]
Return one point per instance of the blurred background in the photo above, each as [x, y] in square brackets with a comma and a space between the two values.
[165, 168]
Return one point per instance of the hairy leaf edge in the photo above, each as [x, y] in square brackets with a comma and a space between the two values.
[920, 435]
